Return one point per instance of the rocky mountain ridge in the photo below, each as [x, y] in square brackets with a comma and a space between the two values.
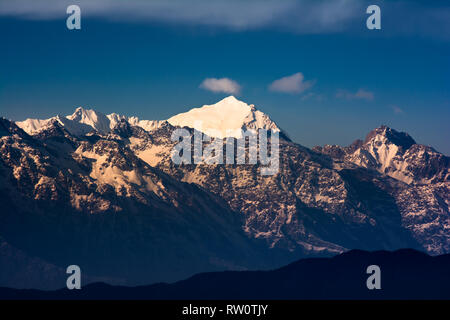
[109, 191]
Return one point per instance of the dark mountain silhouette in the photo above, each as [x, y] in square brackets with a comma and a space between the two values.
[405, 274]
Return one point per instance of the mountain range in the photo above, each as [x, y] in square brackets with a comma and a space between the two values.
[101, 191]
[404, 275]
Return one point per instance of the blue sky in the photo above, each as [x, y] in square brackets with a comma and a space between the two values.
[149, 59]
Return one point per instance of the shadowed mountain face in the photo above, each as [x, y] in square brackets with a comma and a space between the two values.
[404, 274]
[103, 192]
[90, 201]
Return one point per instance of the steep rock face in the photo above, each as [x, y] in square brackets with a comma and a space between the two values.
[360, 208]
[92, 202]
[306, 207]
[422, 193]
[109, 191]
[395, 154]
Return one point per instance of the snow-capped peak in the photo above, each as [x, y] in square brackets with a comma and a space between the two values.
[388, 135]
[226, 118]
[80, 122]
[95, 119]
[397, 155]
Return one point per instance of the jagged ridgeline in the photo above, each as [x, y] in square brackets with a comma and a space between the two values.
[101, 191]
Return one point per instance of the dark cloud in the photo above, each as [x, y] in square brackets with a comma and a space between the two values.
[300, 16]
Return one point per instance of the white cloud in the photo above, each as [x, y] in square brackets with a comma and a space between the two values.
[313, 96]
[361, 94]
[397, 110]
[299, 16]
[225, 85]
[302, 16]
[291, 84]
